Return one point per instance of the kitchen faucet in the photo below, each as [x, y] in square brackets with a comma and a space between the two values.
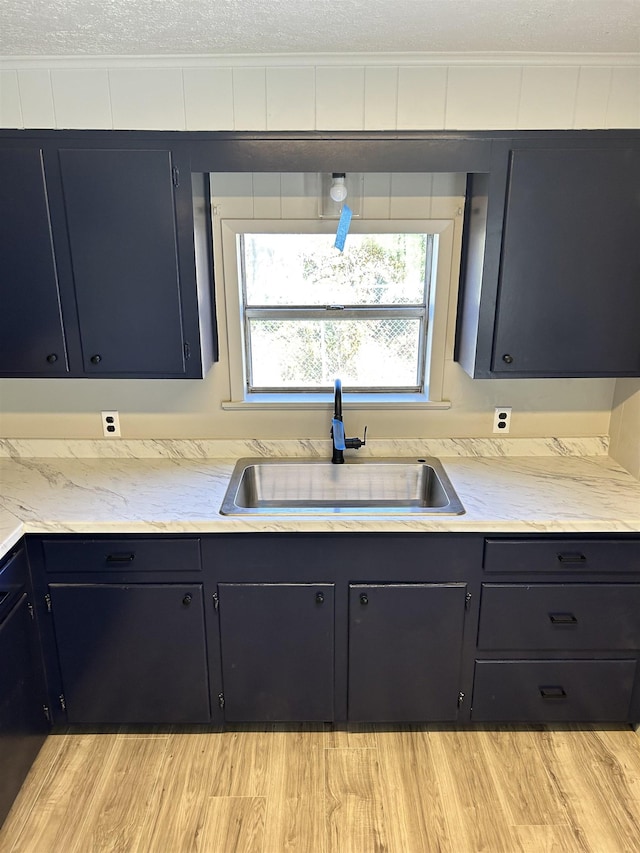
[340, 443]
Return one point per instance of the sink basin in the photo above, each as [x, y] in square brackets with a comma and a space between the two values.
[379, 486]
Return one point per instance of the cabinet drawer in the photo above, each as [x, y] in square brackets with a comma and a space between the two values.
[13, 574]
[562, 555]
[122, 555]
[553, 691]
[560, 616]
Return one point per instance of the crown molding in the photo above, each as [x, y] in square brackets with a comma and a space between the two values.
[20, 63]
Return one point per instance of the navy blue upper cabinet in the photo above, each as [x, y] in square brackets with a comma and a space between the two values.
[559, 295]
[124, 255]
[115, 227]
[32, 339]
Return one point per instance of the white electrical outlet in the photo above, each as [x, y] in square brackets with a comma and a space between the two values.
[502, 419]
[110, 424]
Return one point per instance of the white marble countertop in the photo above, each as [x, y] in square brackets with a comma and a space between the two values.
[179, 490]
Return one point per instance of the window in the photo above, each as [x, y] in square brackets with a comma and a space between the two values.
[312, 313]
[305, 313]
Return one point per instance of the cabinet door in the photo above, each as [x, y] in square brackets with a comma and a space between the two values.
[568, 298]
[131, 653]
[405, 644]
[22, 722]
[31, 333]
[277, 651]
[122, 234]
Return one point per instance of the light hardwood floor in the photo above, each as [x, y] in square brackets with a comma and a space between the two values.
[315, 789]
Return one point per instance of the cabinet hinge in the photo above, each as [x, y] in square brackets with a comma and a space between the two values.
[467, 600]
[187, 351]
[63, 703]
[47, 713]
[221, 699]
[216, 601]
[460, 699]
[31, 610]
[47, 601]
[175, 174]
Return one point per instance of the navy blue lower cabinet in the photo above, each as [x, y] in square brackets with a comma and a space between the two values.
[277, 650]
[553, 690]
[405, 648]
[131, 653]
[23, 725]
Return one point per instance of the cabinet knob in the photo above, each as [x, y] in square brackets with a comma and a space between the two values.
[319, 597]
[95, 359]
[187, 600]
[508, 359]
[52, 358]
[364, 599]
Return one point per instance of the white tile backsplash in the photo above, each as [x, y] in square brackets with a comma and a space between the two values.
[299, 195]
[250, 98]
[547, 97]
[10, 112]
[147, 98]
[291, 100]
[208, 98]
[267, 203]
[380, 98]
[592, 97]
[340, 98]
[376, 202]
[624, 98]
[411, 195]
[483, 97]
[261, 95]
[422, 98]
[36, 98]
[81, 98]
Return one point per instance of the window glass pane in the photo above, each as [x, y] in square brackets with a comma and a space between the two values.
[306, 269]
[312, 353]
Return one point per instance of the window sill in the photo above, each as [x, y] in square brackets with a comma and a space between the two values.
[355, 402]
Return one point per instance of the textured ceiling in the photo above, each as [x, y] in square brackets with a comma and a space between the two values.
[188, 27]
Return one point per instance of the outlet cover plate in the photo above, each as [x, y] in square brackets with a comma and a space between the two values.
[110, 424]
[502, 419]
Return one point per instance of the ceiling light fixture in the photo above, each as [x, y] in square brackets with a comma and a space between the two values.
[338, 189]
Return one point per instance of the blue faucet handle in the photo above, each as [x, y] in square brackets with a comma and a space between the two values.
[337, 431]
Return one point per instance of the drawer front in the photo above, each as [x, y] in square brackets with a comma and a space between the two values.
[122, 555]
[560, 616]
[568, 555]
[553, 691]
[13, 575]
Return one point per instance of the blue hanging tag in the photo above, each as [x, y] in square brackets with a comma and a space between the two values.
[343, 227]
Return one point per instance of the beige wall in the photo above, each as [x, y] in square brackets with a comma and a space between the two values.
[625, 425]
[312, 93]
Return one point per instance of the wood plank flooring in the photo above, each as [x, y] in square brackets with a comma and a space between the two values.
[320, 789]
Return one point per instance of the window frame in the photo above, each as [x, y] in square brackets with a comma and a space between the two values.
[436, 315]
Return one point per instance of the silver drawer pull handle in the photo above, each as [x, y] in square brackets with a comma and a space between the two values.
[121, 558]
[572, 557]
[562, 619]
[552, 692]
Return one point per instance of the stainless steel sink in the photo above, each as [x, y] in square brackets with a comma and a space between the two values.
[317, 487]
